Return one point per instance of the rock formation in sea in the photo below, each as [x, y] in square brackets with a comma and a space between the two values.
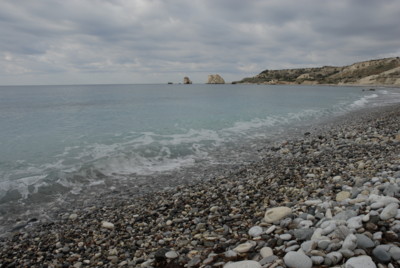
[215, 79]
[186, 80]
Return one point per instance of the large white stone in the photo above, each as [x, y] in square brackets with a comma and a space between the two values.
[266, 252]
[297, 260]
[171, 254]
[243, 264]
[107, 225]
[390, 211]
[360, 262]
[242, 248]
[276, 214]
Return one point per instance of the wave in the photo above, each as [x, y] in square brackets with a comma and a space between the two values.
[363, 101]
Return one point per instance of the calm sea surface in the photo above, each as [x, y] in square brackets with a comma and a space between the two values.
[58, 141]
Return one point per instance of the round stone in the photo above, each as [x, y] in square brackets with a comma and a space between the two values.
[381, 254]
[243, 264]
[395, 253]
[276, 214]
[73, 216]
[364, 241]
[255, 231]
[390, 211]
[285, 237]
[360, 262]
[266, 252]
[297, 260]
[107, 225]
[171, 254]
[342, 196]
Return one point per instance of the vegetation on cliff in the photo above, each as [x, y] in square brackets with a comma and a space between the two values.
[373, 72]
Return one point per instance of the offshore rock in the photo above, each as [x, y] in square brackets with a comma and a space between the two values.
[215, 79]
[186, 80]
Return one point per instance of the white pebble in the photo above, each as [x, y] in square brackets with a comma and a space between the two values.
[255, 231]
[107, 225]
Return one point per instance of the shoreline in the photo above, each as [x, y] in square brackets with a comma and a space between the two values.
[330, 85]
[208, 224]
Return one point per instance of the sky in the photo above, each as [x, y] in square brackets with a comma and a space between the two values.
[160, 41]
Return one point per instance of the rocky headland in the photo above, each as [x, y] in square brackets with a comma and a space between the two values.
[328, 198]
[373, 72]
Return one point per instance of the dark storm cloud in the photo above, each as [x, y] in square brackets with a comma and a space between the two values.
[154, 40]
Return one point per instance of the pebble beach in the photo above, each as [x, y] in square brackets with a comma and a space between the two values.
[326, 198]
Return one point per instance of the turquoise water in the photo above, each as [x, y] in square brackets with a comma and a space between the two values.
[51, 134]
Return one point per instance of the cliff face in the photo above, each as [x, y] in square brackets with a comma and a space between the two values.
[374, 72]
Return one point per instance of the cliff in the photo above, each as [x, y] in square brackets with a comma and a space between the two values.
[373, 72]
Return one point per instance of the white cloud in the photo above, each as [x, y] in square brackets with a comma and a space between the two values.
[139, 41]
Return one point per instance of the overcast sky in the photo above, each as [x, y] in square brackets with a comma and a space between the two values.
[155, 41]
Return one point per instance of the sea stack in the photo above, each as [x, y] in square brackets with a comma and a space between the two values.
[215, 79]
[186, 80]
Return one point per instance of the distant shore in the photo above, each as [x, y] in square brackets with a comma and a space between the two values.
[337, 187]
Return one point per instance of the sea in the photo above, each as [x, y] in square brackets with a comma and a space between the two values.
[64, 145]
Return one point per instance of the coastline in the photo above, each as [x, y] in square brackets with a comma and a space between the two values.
[314, 84]
[208, 223]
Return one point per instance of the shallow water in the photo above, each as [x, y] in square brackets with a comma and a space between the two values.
[60, 141]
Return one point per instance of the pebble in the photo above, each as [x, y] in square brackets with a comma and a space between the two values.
[266, 252]
[285, 237]
[308, 246]
[317, 260]
[171, 254]
[297, 260]
[350, 243]
[342, 196]
[245, 247]
[255, 231]
[354, 222]
[107, 225]
[303, 234]
[390, 211]
[395, 253]
[364, 242]
[276, 214]
[271, 229]
[333, 258]
[381, 254]
[73, 216]
[268, 260]
[243, 264]
[360, 262]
